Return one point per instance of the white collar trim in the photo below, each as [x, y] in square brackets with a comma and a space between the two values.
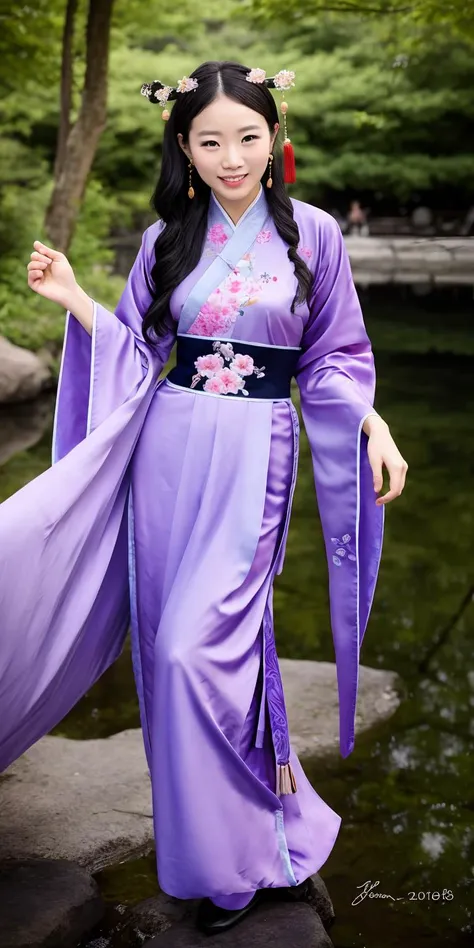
[244, 215]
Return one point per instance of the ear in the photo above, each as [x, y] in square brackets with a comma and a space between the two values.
[183, 146]
[276, 127]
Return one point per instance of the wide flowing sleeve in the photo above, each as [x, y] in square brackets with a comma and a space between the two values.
[64, 542]
[99, 372]
[336, 378]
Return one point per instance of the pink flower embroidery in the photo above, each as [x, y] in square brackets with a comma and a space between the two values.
[211, 324]
[215, 385]
[252, 289]
[217, 235]
[264, 236]
[231, 381]
[243, 364]
[225, 380]
[306, 252]
[216, 317]
[209, 364]
[219, 313]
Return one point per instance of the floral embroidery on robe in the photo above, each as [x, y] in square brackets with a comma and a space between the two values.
[343, 549]
[240, 288]
[222, 379]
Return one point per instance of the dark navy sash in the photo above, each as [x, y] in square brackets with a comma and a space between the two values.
[229, 367]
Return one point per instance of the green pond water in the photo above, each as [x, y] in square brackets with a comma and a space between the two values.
[406, 793]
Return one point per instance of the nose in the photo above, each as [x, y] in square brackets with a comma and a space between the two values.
[232, 161]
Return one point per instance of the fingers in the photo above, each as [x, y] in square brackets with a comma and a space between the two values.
[40, 257]
[38, 265]
[47, 251]
[397, 474]
[378, 476]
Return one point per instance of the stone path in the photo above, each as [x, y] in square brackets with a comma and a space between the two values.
[46, 902]
[412, 259]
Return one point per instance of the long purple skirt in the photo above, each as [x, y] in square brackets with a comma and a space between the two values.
[205, 542]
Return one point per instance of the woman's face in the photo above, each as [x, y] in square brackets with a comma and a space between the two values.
[229, 140]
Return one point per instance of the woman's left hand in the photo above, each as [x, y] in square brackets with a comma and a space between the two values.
[381, 449]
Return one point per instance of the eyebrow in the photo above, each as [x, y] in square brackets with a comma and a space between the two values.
[247, 128]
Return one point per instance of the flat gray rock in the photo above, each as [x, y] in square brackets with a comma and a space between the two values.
[268, 925]
[163, 913]
[23, 374]
[311, 701]
[50, 903]
[90, 801]
[152, 917]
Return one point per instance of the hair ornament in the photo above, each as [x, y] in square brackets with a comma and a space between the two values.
[163, 94]
[187, 85]
[256, 75]
[156, 92]
[284, 79]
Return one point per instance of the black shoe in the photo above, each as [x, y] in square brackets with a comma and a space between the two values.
[211, 919]
[291, 893]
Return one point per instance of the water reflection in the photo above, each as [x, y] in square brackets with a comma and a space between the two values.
[406, 794]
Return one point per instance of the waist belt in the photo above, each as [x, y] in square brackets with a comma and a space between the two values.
[234, 368]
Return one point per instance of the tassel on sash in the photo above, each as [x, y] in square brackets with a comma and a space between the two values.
[286, 782]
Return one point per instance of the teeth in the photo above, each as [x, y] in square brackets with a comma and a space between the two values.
[235, 179]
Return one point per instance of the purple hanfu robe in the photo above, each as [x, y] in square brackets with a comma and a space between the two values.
[169, 506]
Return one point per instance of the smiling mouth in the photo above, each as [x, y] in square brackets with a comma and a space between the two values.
[237, 177]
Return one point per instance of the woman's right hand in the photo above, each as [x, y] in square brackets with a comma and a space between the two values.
[50, 274]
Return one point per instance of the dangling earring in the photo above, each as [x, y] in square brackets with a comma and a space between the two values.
[190, 189]
[269, 179]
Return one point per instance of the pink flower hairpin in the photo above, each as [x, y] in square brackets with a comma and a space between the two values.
[186, 85]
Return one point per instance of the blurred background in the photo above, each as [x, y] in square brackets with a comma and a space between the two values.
[381, 118]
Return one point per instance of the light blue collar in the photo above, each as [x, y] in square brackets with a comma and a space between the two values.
[217, 214]
[231, 251]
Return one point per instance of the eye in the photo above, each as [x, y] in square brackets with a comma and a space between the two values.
[211, 142]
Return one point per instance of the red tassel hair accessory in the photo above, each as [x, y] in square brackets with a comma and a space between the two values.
[282, 81]
[289, 163]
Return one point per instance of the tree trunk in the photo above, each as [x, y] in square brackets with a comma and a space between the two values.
[66, 88]
[81, 144]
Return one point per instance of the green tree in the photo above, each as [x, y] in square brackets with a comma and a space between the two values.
[455, 15]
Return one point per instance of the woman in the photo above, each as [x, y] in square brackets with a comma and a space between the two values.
[183, 488]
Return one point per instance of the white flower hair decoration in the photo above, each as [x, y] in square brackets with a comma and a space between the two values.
[157, 93]
[160, 94]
